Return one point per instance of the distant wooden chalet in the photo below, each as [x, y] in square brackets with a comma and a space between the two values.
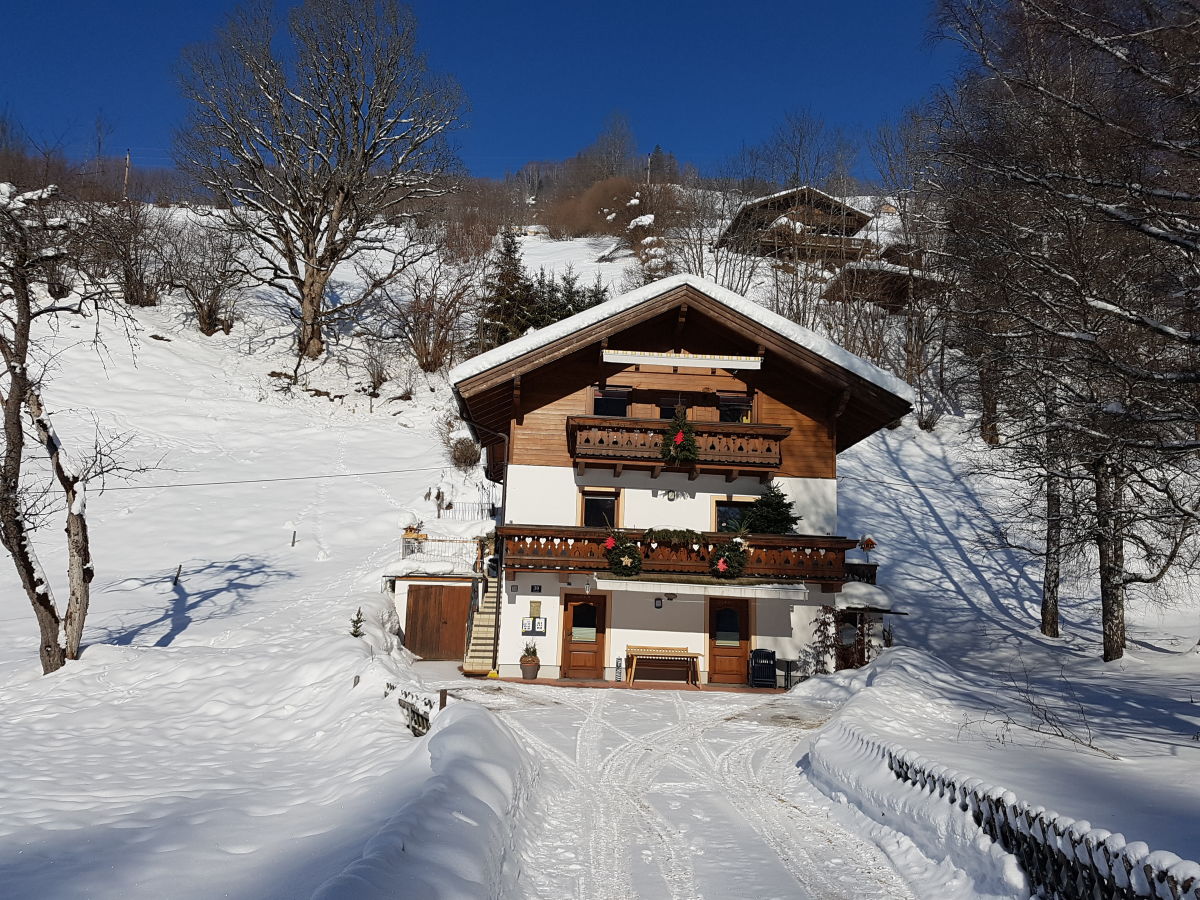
[610, 551]
[800, 223]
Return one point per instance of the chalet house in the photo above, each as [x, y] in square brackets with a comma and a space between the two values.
[799, 224]
[612, 550]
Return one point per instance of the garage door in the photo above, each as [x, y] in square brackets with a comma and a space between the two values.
[436, 623]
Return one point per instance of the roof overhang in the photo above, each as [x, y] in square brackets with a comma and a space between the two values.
[870, 397]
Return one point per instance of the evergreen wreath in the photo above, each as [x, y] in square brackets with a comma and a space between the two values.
[679, 442]
[624, 557]
[728, 560]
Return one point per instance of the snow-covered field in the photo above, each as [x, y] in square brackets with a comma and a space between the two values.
[223, 735]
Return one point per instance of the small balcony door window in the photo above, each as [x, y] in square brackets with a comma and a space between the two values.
[733, 408]
[730, 514]
[611, 403]
[668, 408]
[600, 510]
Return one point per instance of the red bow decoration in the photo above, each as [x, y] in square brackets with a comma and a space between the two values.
[678, 438]
[722, 566]
[610, 542]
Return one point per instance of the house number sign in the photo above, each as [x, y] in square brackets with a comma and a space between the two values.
[533, 626]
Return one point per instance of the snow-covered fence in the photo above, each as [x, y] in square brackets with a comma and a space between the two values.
[467, 511]
[459, 555]
[1063, 858]
[419, 709]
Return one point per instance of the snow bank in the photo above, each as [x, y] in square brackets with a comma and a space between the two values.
[846, 766]
[992, 843]
[452, 840]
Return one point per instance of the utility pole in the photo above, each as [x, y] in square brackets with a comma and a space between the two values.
[125, 192]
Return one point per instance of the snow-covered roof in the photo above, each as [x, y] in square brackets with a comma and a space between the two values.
[858, 595]
[785, 328]
[883, 230]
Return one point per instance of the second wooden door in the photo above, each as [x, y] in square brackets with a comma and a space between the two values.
[583, 636]
[728, 640]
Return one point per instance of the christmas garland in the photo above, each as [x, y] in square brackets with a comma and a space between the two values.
[728, 560]
[624, 557]
[679, 441]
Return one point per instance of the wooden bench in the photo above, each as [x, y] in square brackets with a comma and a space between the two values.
[663, 654]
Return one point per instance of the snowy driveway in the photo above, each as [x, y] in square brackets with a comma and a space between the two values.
[676, 794]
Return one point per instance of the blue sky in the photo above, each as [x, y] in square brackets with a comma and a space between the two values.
[699, 78]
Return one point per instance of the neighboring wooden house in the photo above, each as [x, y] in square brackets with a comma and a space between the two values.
[798, 224]
[573, 418]
[890, 285]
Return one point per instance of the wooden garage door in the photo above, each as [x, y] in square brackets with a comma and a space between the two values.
[435, 626]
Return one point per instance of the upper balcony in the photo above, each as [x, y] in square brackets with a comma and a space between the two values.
[774, 557]
[727, 448]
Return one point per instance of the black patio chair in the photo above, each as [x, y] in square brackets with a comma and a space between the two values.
[762, 668]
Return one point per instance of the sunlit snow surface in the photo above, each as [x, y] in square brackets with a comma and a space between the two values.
[212, 742]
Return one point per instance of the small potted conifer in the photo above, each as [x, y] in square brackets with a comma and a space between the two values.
[530, 662]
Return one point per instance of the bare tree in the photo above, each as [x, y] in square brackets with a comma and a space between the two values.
[1069, 168]
[319, 148]
[32, 242]
[702, 209]
[202, 263]
[126, 246]
[428, 311]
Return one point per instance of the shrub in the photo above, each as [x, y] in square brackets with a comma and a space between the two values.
[464, 453]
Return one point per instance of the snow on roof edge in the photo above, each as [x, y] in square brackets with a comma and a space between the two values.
[786, 328]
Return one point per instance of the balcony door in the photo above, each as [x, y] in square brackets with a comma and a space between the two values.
[728, 640]
[583, 635]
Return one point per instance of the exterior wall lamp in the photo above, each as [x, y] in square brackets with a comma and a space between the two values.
[671, 495]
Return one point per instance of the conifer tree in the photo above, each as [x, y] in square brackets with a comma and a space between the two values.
[771, 513]
[507, 292]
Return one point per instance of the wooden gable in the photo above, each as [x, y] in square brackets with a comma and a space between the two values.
[527, 398]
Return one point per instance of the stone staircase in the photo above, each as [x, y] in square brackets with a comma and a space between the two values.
[480, 658]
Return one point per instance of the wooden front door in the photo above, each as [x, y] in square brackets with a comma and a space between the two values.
[435, 624]
[728, 640]
[583, 636]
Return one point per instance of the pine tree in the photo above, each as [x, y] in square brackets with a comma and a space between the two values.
[771, 513]
[507, 295]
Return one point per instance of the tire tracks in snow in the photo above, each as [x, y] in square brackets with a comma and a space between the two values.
[594, 833]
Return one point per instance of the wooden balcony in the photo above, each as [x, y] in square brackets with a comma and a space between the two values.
[778, 557]
[728, 448]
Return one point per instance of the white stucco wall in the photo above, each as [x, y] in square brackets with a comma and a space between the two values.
[815, 499]
[548, 495]
[782, 624]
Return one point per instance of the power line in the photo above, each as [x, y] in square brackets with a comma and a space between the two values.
[152, 487]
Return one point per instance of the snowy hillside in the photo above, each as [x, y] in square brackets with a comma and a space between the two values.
[223, 735]
[212, 740]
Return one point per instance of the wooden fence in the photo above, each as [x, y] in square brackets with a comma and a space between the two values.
[1063, 858]
[418, 709]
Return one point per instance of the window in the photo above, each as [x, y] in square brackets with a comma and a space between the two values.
[733, 408]
[727, 630]
[583, 623]
[611, 402]
[600, 510]
[730, 513]
[668, 408]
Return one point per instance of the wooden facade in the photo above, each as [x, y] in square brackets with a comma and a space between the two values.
[531, 398]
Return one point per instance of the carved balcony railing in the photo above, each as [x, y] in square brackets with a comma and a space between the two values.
[728, 447]
[785, 557]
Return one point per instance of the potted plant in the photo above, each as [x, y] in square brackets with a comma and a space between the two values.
[530, 662]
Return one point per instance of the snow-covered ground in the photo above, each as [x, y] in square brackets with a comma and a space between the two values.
[223, 735]
[677, 794]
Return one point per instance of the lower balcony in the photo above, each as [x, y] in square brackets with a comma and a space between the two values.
[775, 557]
